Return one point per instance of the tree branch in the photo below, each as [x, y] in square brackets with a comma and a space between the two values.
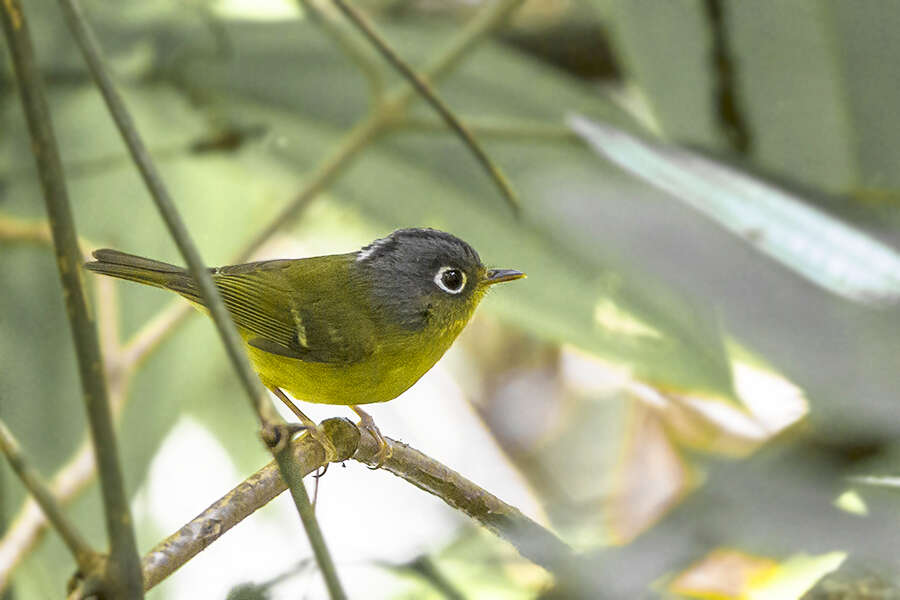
[122, 576]
[28, 231]
[153, 333]
[533, 541]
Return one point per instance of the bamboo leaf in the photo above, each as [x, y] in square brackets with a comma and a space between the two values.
[827, 252]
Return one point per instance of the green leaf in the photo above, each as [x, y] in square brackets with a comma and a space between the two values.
[883, 481]
[792, 93]
[816, 246]
[677, 85]
[811, 81]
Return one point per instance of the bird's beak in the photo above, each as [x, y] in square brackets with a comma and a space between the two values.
[501, 275]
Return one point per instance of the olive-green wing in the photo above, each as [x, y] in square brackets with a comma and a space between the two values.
[294, 308]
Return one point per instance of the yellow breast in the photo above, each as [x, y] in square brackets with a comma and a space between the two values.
[394, 365]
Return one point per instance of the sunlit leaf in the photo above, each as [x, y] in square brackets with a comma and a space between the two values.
[882, 481]
[721, 575]
[833, 255]
[851, 502]
[833, 133]
[727, 574]
[766, 402]
[826, 129]
[795, 576]
[669, 81]
[634, 432]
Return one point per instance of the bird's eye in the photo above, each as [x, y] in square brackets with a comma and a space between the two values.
[450, 280]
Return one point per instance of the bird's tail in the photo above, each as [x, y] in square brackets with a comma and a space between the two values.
[136, 268]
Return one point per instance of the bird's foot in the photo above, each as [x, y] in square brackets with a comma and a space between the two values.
[315, 432]
[367, 423]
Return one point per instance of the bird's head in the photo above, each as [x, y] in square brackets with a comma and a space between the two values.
[422, 277]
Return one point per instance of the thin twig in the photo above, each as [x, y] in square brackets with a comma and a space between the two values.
[427, 92]
[256, 394]
[533, 541]
[29, 523]
[85, 556]
[123, 575]
[107, 299]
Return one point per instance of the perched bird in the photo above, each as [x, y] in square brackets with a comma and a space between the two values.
[346, 329]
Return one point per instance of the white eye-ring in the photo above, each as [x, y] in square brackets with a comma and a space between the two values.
[450, 279]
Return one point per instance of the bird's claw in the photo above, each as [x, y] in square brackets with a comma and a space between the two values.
[384, 448]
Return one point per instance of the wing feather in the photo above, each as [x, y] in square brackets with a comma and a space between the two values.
[289, 310]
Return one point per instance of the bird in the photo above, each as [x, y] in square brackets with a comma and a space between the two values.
[342, 329]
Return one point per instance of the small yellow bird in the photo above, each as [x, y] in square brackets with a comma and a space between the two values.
[348, 329]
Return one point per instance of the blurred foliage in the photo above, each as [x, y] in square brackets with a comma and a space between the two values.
[813, 79]
[239, 113]
[729, 574]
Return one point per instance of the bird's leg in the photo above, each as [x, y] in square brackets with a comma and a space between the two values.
[315, 432]
[368, 423]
